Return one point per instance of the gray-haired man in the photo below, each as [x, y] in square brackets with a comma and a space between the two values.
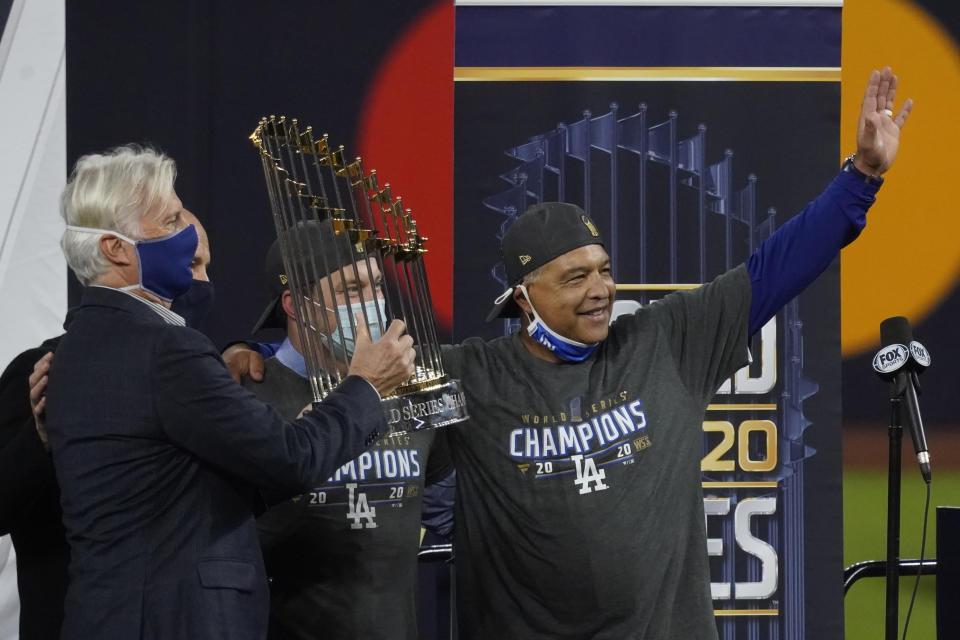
[157, 451]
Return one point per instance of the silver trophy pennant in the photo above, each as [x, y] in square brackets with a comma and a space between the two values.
[338, 230]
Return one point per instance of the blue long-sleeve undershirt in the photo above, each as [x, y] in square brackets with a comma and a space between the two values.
[265, 349]
[800, 250]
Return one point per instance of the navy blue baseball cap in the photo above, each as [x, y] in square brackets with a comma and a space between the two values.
[316, 247]
[541, 233]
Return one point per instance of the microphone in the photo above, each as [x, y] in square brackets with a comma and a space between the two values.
[900, 360]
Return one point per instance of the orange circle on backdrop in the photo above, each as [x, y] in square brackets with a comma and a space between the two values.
[908, 258]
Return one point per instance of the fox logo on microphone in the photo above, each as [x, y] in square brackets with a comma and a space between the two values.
[919, 353]
[890, 358]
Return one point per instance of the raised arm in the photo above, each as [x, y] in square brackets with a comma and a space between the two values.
[799, 251]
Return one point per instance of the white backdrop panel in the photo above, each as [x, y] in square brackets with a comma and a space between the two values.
[33, 286]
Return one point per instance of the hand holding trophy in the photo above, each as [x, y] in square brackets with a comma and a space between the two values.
[353, 258]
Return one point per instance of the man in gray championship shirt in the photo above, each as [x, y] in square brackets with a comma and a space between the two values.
[579, 511]
[342, 558]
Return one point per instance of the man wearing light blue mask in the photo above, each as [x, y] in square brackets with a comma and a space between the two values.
[343, 557]
[356, 293]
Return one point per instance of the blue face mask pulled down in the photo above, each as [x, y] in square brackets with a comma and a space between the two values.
[344, 346]
[563, 348]
[164, 263]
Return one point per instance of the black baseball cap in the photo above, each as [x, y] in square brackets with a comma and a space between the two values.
[316, 247]
[541, 233]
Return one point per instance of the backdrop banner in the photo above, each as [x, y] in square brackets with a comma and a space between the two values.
[688, 134]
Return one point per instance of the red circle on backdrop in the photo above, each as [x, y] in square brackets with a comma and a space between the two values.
[406, 134]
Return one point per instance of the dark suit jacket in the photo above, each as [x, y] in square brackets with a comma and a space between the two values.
[30, 504]
[156, 449]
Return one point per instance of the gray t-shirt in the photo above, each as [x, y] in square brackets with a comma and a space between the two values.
[579, 509]
[342, 558]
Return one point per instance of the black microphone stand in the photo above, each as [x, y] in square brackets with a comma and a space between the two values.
[895, 432]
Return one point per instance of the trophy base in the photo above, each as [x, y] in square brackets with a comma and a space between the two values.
[435, 406]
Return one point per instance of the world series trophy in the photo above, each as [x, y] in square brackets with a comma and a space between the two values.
[339, 230]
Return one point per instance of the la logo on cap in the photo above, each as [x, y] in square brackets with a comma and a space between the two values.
[589, 224]
[525, 259]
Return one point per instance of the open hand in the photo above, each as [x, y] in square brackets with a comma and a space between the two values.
[878, 130]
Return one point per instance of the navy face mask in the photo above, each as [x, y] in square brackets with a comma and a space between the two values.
[164, 262]
[194, 305]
